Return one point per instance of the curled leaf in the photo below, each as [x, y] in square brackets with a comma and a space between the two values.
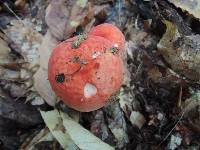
[192, 6]
[41, 82]
[25, 40]
[181, 52]
[43, 87]
[191, 110]
[63, 17]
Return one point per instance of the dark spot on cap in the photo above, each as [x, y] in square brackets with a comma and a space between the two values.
[60, 78]
[114, 50]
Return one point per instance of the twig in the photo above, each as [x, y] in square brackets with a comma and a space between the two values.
[18, 18]
[180, 97]
[136, 22]
[138, 69]
[171, 129]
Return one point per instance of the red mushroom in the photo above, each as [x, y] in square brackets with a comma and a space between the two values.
[84, 73]
[110, 32]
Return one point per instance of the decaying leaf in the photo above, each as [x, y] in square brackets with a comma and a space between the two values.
[20, 4]
[41, 82]
[116, 123]
[3, 95]
[4, 51]
[43, 135]
[181, 52]
[70, 134]
[8, 74]
[64, 16]
[19, 113]
[127, 100]
[191, 111]
[191, 6]
[99, 127]
[15, 90]
[131, 106]
[25, 40]
[43, 87]
[48, 43]
[54, 122]
[154, 74]
[191, 102]
[82, 137]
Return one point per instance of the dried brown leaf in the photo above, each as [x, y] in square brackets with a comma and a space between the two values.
[117, 124]
[43, 135]
[181, 52]
[64, 16]
[154, 74]
[14, 89]
[43, 87]
[41, 82]
[4, 51]
[7, 74]
[192, 6]
[48, 43]
[191, 110]
[20, 4]
[25, 40]
[127, 100]
[98, 126]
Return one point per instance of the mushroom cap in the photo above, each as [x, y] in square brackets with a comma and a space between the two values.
[85, 77]
[110, 32]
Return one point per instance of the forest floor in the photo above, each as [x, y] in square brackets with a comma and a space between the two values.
[158, 106]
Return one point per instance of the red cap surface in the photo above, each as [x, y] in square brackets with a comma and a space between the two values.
[86, 76]
[110, 32]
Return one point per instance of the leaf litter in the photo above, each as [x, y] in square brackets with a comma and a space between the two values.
[161, 80]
